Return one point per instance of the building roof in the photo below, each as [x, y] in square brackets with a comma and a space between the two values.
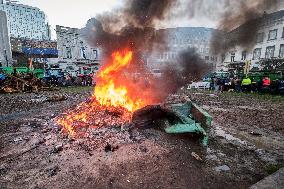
[189, 33]
[64, 29]
[21, 5]
[275, 16]
[263, 20]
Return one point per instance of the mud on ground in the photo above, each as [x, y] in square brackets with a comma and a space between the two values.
[246, 144]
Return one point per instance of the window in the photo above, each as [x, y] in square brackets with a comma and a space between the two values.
[256, 54]
[244, 55]
[68, 52]
[270, 52]
[223, 57]
[281, 51]
[164, 56]
[95, 54]
[206, 57]
[272, 34]
[160, 56]
[83, 53]
[157, 71]
[233, 57]
[260, 37]
[283, 33]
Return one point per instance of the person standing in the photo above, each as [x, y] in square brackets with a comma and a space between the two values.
[231, 85]
[237, 84]
[253, 85]
[266, 82]
[216, 86]
[280, 86]
[2, 77]
[212, 83]
[246, 84]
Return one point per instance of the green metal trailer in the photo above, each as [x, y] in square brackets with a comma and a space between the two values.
[258, 75]
[23, 70]
[175, 118]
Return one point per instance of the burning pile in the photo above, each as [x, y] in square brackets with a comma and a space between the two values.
[112, 103]
[124, 83]
[112, 86]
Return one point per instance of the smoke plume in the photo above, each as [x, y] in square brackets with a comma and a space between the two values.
[238, 12]
[188, 67]
[133, 27]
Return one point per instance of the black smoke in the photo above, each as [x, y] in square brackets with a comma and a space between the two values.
[132, 26]
[248, 13]
[188, 67]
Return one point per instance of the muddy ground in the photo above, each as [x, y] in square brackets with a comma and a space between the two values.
[245, 145]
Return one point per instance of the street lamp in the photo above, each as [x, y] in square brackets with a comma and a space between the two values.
[6, 58]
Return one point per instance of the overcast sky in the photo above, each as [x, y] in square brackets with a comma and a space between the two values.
[75, 13]
[71, 13]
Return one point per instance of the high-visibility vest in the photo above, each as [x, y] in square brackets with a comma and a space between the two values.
[246, 81]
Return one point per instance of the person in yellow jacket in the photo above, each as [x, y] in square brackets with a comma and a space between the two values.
[246, 84]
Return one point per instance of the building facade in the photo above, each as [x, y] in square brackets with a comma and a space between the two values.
[73, 51]
[26, 21]
[180, 39]
[5, 47]
[269, 45]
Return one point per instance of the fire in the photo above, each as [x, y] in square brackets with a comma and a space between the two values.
[110, 90]
[113, 95]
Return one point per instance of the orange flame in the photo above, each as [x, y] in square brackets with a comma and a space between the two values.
[112, 91]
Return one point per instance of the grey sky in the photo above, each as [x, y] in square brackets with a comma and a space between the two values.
[73, 13]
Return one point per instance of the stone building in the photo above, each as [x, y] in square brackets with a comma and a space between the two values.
[268, 44]
[73, 50]
[5, 47]
[180, 39]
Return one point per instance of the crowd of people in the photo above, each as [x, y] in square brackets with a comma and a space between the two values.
[68, 80]
[59, 79]
[248, 85]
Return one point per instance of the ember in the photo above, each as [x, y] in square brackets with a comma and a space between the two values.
[93, 115]
[112, 103]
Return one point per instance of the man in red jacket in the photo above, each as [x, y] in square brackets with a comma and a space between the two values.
[266, 82]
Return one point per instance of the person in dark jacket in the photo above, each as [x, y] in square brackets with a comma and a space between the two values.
[212, 83]
[237, 84]
[253, 85]
[2, 77]
[217, 84]
[280, 86]
[222, 84]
